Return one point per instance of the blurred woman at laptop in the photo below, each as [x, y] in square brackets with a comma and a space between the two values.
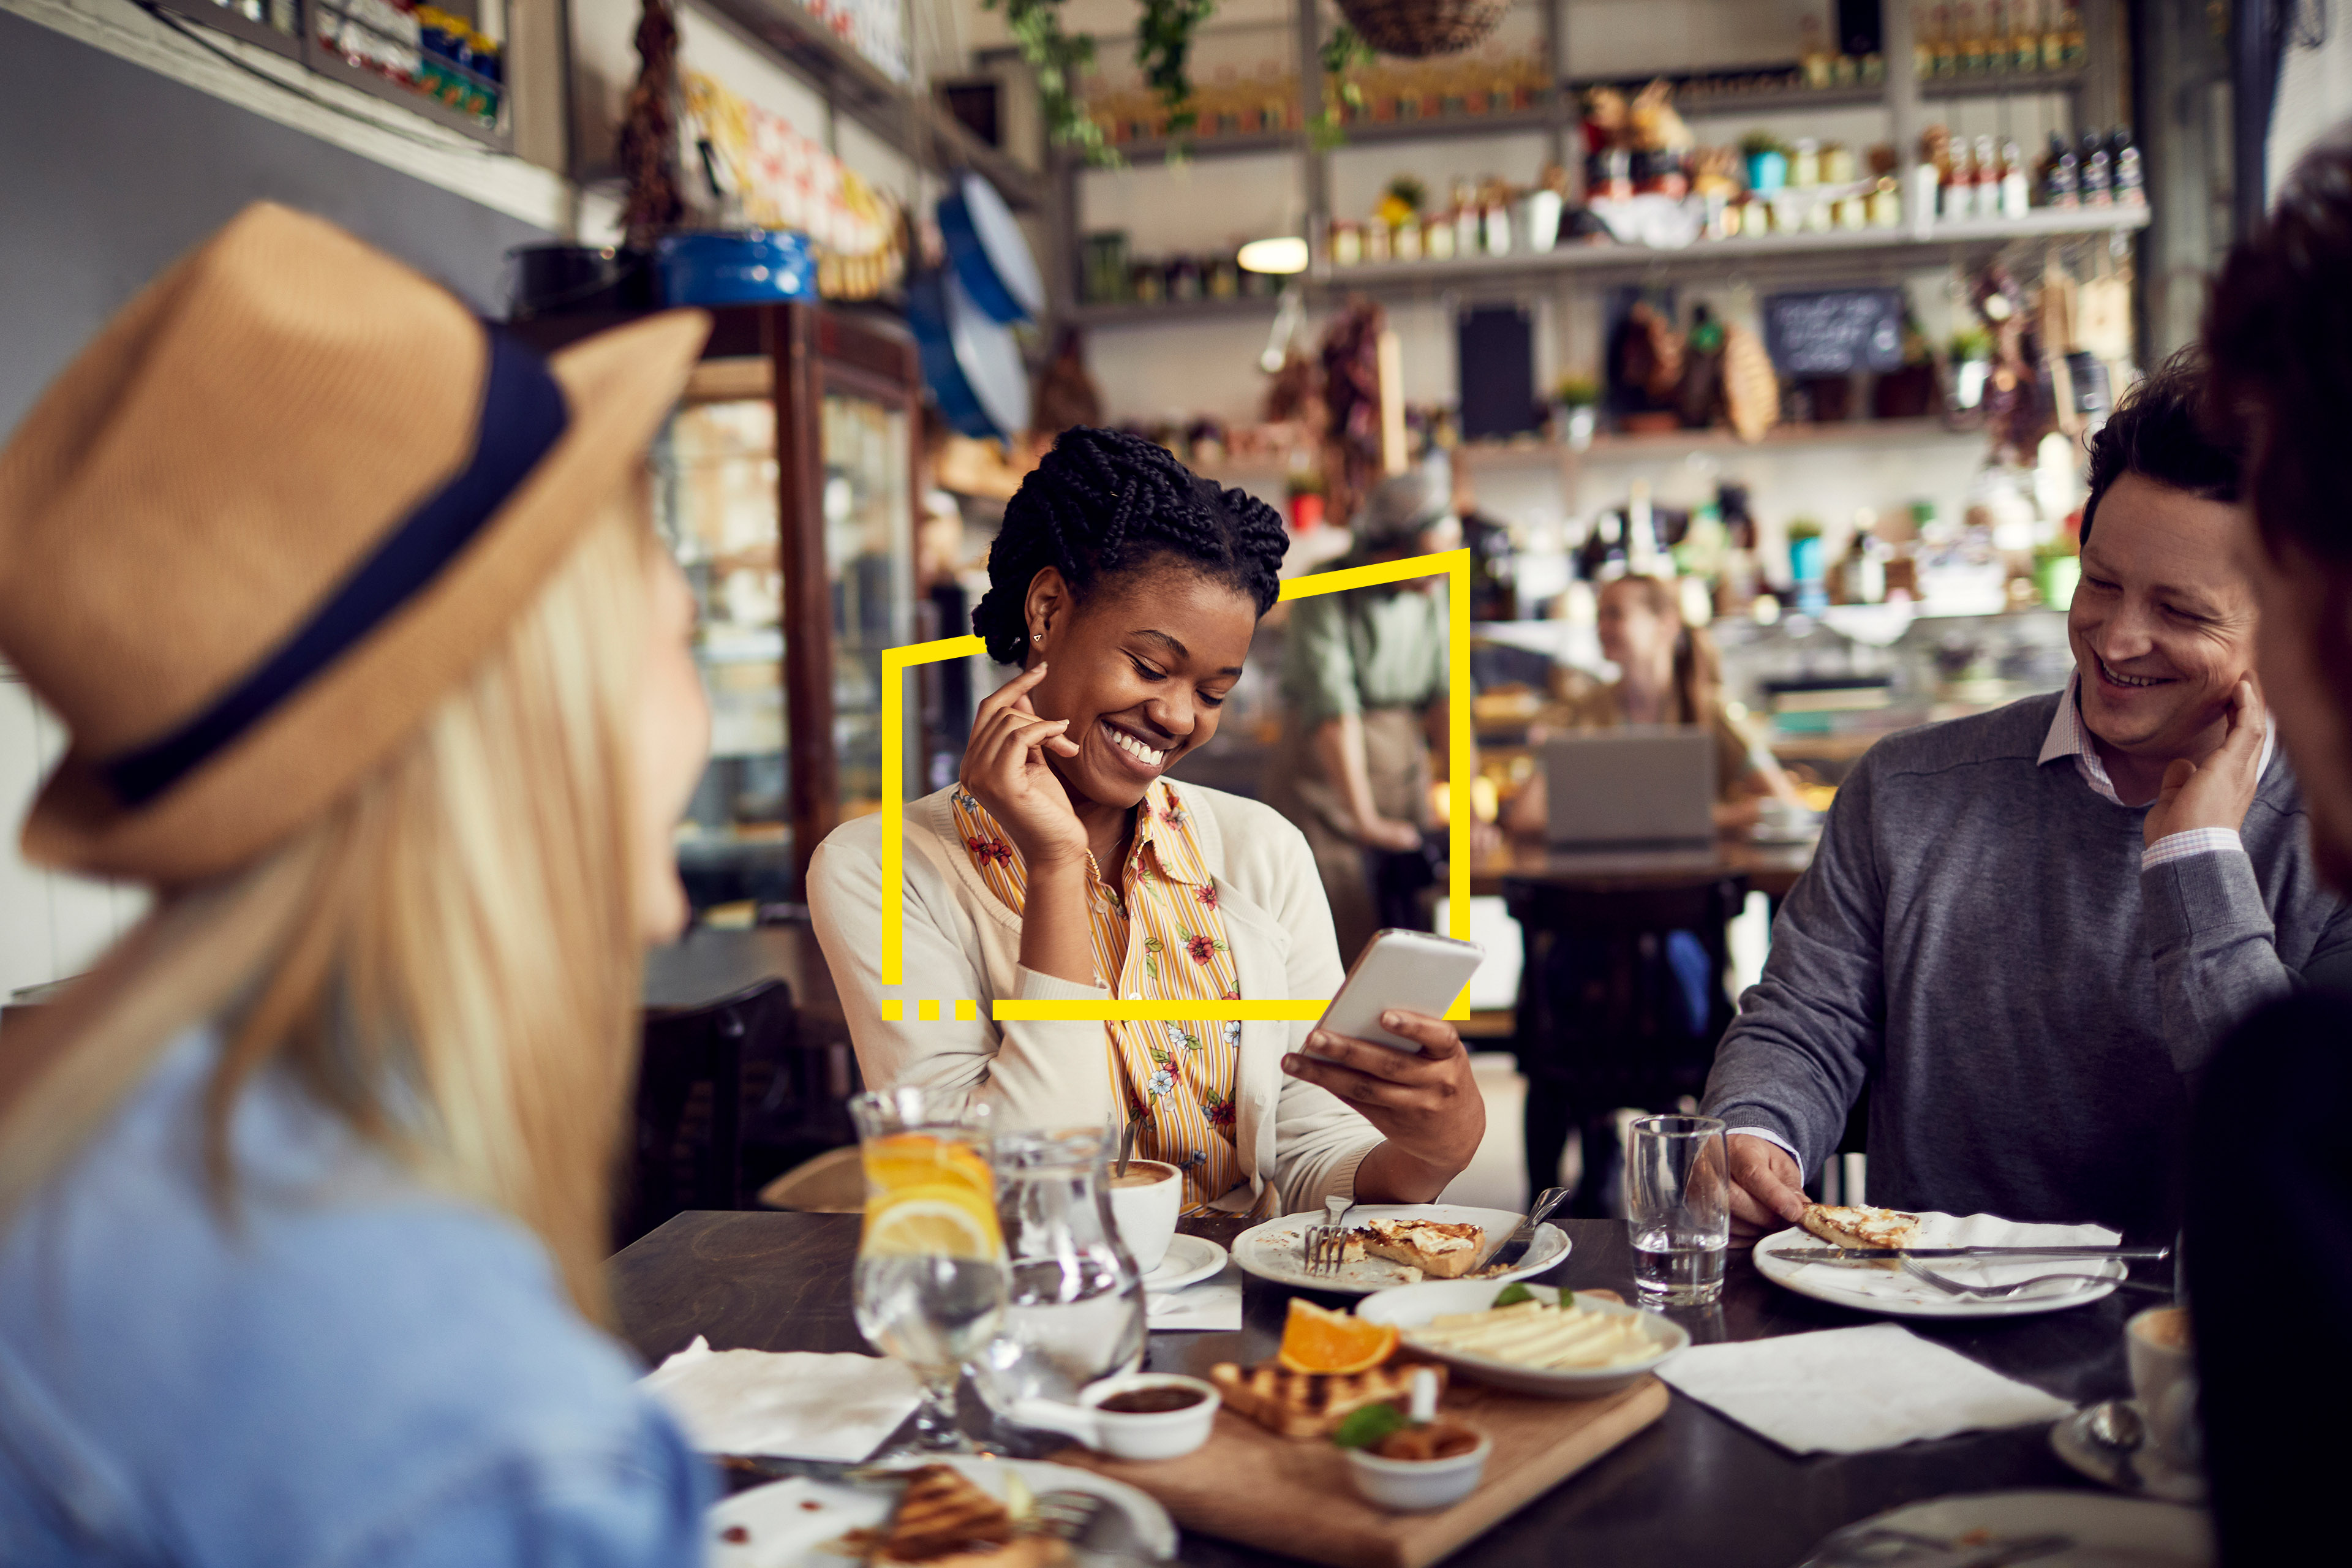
[1669, 673]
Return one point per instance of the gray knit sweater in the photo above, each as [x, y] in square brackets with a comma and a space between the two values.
[1975, 941]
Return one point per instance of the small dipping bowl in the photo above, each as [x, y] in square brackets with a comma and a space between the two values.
[1418, 1486]
[1126, 1434]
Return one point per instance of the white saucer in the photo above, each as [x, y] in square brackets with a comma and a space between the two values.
[1189, 1260]
[2152, 1475]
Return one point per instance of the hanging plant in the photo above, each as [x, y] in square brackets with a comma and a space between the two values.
[1342, 52]
[1163, 48]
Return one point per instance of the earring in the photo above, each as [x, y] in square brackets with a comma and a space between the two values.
[1038, 642]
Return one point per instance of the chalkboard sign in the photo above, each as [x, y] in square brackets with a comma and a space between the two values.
[1837, 332]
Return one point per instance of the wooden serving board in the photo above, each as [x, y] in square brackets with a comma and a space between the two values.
[1296, 1496]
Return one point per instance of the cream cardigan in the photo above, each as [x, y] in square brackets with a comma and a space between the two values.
[964, 944]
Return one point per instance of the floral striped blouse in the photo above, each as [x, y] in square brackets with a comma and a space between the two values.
[1158, 937]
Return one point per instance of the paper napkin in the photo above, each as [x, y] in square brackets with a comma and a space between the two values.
[1848, 1391]
[1214, 1304]
[794, 1406]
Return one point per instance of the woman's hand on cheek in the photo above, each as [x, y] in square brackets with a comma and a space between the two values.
[1005, 768]
[1427, 1105]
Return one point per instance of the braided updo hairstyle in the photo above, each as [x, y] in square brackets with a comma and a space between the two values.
[1103, 503]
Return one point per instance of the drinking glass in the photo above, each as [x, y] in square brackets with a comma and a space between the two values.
[1073, 1309]
[1679, 1209]
[930, 1284]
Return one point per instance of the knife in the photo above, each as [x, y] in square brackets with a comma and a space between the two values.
[1865, 1254]
[774, 1467]
[1514, 1245]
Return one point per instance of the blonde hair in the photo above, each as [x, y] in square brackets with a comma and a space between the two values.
[1699, 668]
[448, 961]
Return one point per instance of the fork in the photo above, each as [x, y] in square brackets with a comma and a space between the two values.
[2002, 1292]
[1325, 1246]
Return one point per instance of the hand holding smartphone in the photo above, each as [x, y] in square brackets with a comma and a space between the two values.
[1416, 971]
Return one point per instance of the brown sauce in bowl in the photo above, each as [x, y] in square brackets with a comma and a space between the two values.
[1437, 1440]
[1152, 1401]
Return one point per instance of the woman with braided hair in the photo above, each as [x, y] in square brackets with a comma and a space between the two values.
[1064, 866]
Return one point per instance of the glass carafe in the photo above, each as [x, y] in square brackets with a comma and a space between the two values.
[1074, 1303]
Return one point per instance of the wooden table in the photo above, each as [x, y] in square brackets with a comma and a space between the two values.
[1770, 869]
[1692, 1488]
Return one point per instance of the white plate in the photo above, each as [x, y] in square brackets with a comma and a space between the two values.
[786, 1532]
[1190, 1259]
[1272, 1250]
[1410, 1306]
[2108, 1531]
[1897, 1295]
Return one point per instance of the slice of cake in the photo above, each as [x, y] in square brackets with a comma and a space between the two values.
[1441, 1249]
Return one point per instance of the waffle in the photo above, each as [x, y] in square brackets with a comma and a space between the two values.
[1310, 1404]
[944, 1518]
[1866, 1227]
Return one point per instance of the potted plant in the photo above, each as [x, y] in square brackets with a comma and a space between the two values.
[1579, 397]
[1767, 162]
[1805, 554]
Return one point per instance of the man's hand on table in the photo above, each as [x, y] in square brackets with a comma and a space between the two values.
[2216, 790]
[1767, 1191]
[1428, 1106]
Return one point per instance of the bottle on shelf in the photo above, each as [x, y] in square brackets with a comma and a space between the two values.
[2053, 36]
[2074, 45]
[1989, 172]
[2061, 185]
[1926, 29]
[2016, 190]
[2098, 171]
[1948, 63]
[2024, 35]
[1996, 34]
[2131, 181]
[1968, 19]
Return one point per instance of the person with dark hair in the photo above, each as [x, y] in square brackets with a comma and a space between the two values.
[1064, 866]
[2264, 1183]
[2027, 932]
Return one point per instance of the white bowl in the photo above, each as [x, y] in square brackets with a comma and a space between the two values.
[1410, 1306]
[1124, 1434]
[1418, 1486]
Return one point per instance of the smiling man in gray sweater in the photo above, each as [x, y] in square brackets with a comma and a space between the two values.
[2026, 931]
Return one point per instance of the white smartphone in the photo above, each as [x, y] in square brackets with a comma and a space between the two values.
[1418, 971]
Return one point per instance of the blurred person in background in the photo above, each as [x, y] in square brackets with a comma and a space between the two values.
[376, 673]
[2269, 1190]
[1365, 715]
[1668, 673]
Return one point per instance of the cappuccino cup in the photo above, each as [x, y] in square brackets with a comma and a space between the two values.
[1143, 1205]
[2164, 1381]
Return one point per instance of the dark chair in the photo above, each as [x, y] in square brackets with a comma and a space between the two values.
[1603, 1019]
[687, 1152]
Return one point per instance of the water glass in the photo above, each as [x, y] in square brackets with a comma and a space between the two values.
[1074, 1307]
[929, 1289]
[1679, 1209]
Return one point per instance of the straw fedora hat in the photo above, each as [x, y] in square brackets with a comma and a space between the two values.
[283, 503]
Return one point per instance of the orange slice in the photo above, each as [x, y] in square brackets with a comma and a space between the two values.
[1315, 1339]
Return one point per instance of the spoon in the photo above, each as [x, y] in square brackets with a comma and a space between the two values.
[1126, 1145]
[2115, 1430]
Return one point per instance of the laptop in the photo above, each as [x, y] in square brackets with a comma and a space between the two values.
[1641, 788]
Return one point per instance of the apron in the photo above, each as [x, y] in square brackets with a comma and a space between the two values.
[1396, 761]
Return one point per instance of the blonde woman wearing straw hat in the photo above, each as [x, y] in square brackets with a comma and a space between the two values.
[375, 671]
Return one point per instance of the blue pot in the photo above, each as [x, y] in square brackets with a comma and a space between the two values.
[988, 252]
[1805, 559]
[1767, 171]
[755, 267]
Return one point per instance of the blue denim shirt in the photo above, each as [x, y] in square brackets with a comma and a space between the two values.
[356, 1369]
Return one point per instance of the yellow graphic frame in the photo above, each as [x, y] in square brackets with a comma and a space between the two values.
[897, 662]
